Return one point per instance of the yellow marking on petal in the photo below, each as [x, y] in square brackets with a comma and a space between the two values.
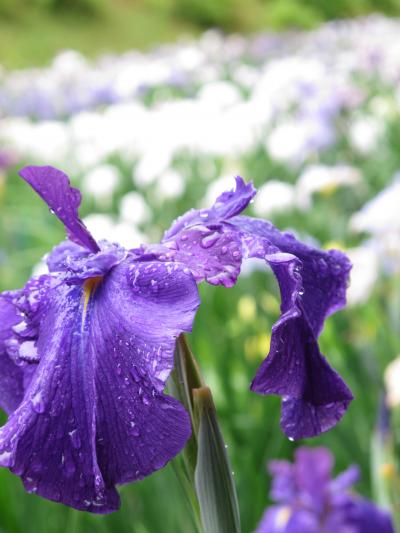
[89, 288]
[282, 517]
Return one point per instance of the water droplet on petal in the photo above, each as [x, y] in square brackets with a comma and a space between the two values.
[209, 240]
[37, 403]
[75, 439]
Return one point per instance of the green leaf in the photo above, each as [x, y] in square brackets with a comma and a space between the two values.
[215, 487]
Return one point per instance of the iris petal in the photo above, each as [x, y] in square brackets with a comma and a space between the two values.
[106, 350]
[312, 284]
[314, 395]
[227, 205]
[54, 187]
[11, 376]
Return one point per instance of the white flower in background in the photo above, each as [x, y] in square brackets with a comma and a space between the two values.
[219, 94]
[246, 76]
[324, 179]
[216, 188]
[69, 63]
[40, 268]
[293, 141]
[134, 209]
[365, 133]
[170, 184]
[43, 141]
[100, 226]
[363, 274]
[104, 227]
[151, 165]
[381, 218]
[274, 197]
[392, 383]
[381, 214]
[101, 183]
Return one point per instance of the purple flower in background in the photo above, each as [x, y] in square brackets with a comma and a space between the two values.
[310, 501]
[87, 348]
[85, 352]
[7, 159]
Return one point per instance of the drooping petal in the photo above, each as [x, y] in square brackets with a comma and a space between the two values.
[149, 428]
[314, 395]
[94, 414]
[11, 375]
[54, 187]
[324, 274]
[50, 439]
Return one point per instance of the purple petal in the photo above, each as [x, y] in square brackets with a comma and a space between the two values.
[312, 284]
[50, 440]
[63, 254]
[324, 274]
[285, 519]
[368, 518]
[283, 484]
[227, 205]
[202, 240]
[214, 255]
[54, 187]
[346, 479]
[94, 414]
[11, 376]
[353, 513]
[314, 395]
[140, 429]
[313, 469]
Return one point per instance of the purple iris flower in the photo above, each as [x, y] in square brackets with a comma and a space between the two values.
[310, 501]
[85, 354]
[87, 348]
[214, 243]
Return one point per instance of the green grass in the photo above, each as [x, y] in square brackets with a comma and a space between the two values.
[33, 37]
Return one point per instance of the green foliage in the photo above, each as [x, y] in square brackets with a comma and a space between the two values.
[291, 14]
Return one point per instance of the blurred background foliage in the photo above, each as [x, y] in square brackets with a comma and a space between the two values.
[31, 30]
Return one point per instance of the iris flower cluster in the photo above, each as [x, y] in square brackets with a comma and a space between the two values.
[310, 501]
[87, 348]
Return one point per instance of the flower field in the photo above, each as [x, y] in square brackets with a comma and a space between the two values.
[313, 120]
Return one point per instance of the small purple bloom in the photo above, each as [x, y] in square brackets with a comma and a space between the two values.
[86, 352]
[310, 501]
[87, 348]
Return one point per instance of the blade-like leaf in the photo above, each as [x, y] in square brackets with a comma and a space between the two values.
[215, 487]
